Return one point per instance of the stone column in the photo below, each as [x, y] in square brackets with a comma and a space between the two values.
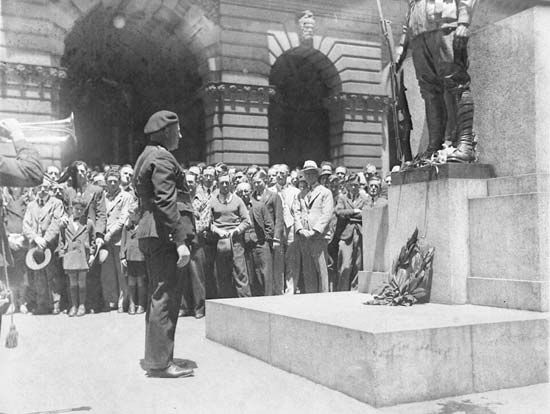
[236, 123]
[355, 129]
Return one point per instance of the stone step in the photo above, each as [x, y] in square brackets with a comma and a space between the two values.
[520, 184]
[386, 355]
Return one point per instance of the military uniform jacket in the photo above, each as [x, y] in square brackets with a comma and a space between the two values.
[74, 244]
[430, 15]
[157, 180]
[43, 221]
[95, 206]
[350, 220]
[24, 170]
[315, 211]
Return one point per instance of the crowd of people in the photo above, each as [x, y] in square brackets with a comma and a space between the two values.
[258, 232]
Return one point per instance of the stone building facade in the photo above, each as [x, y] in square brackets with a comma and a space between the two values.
[252, 81]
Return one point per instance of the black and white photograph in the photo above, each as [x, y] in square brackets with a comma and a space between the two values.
[277, 206]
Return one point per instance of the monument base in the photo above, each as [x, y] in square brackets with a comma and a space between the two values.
[386, 355]
[434, 200]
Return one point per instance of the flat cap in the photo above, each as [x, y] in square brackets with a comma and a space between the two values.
[160, 120]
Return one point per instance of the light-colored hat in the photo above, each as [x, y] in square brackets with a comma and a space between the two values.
[326, 170]
[310, 165]
[195, 170]
[37, 259]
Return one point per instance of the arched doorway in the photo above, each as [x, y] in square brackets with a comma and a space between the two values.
[299, 117]
[121, 68]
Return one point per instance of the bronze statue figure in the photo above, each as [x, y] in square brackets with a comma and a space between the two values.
[438, 33]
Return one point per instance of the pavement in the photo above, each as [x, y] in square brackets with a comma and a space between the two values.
[92, 364]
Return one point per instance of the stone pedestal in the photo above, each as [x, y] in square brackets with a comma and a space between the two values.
[386, 355]
[510, 244]
[435, 200]
[510, 229]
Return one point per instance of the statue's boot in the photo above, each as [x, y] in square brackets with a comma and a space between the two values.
[465, 120]
[436, 119]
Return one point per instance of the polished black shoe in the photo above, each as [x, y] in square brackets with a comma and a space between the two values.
[173, 371]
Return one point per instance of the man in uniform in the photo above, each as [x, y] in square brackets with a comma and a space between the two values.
[165, 233]
[24, 170]
[438, 33]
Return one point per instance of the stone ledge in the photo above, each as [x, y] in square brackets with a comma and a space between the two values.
[520, 184]
[443, 172]
[386, 355]
[512, 294]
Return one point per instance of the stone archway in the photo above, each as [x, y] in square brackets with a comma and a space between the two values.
[137, 56]
[299, 117]
[350, 70]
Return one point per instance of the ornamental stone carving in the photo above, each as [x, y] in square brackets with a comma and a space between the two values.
[306, 23]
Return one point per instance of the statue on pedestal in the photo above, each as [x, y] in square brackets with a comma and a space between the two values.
[437, 32]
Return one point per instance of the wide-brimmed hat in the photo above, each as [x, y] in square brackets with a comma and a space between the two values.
[326, 170]
[37, 259]
[310, 165]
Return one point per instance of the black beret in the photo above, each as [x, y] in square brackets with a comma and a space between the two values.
[160, 120]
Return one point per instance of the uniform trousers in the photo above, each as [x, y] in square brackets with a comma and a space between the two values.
[314, 256]
[260, 265]
[230, 272]
[19, 281]
[164, 298]
[439, 65]
[194, 278]
[350, 260]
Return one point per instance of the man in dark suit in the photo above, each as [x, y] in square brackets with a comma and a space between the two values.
[350, 244]
[24, 170]
[165, 234]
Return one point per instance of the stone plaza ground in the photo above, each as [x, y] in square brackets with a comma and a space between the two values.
[92, 364]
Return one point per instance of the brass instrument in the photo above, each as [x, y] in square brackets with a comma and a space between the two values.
[50, 132]
[55, 140]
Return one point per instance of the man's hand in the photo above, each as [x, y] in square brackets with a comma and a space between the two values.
[16, 241]
[41, 242]
[10, 128]
[124, 262]
[462, 34]
[99, 242]
[308, 233]
[184, 255]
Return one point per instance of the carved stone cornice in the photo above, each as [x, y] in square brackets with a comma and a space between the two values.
[358, 102]
[237, 92]
[25, 74]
